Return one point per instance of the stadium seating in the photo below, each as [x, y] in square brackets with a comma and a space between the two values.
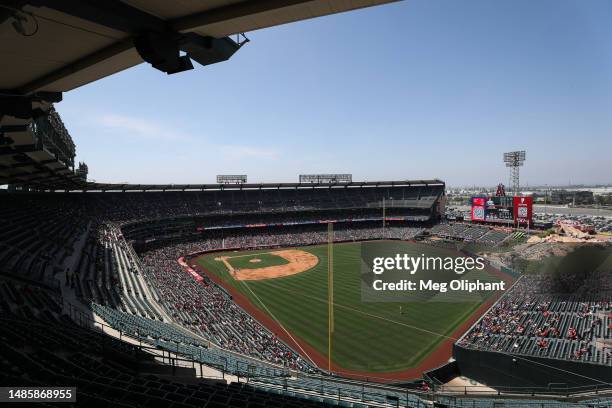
[82, 244]
[36, 244]
[493, 237]
[470, 233]
[111, 373]
[531, 323]
[179, 341]
[151, 205]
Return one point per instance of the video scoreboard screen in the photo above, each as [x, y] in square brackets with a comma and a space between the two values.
[231, 179]
[326, 178]
[523, 209]
[502, 209]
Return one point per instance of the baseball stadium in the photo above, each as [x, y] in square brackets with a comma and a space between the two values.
[263, 294]
[403, 344]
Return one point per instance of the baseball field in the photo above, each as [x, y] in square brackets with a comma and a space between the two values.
[288, 290]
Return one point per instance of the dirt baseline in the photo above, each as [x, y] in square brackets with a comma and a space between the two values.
[299, 261]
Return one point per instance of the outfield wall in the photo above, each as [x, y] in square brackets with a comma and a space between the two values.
[499, 369]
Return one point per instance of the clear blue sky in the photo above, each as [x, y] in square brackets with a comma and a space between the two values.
[416, 89]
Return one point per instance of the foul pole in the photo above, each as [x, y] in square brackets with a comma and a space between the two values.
[330, 292]
[384, 216]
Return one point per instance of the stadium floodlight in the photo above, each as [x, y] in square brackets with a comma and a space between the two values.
[514, 160]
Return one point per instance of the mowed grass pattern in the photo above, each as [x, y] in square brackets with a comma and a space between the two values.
[370, 337]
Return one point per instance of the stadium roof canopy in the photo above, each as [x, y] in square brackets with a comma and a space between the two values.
[59, 45]
[48, 47]
[74, 183]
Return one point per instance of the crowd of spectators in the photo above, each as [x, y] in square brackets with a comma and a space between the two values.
[43, 231]
[313, 235]
[126, 207]
[208, 310]
[532, 320]
[77, 238]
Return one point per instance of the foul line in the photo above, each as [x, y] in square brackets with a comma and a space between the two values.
[426, 331]
[362, 312]
[279, 323]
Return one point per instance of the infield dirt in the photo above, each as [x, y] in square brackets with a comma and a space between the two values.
[299, 261]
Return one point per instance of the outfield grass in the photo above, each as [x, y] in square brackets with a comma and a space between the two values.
[244, 261]
[372, 337]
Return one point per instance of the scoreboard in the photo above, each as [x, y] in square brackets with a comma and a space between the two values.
[231, 178]
[502, 209]
[523, 209]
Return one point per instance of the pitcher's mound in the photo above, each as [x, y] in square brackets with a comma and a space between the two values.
[255, 260]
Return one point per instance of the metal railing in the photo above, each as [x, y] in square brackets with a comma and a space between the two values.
[353, 390]
[243, 367]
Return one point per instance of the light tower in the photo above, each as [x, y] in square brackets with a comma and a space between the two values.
[514, 160]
